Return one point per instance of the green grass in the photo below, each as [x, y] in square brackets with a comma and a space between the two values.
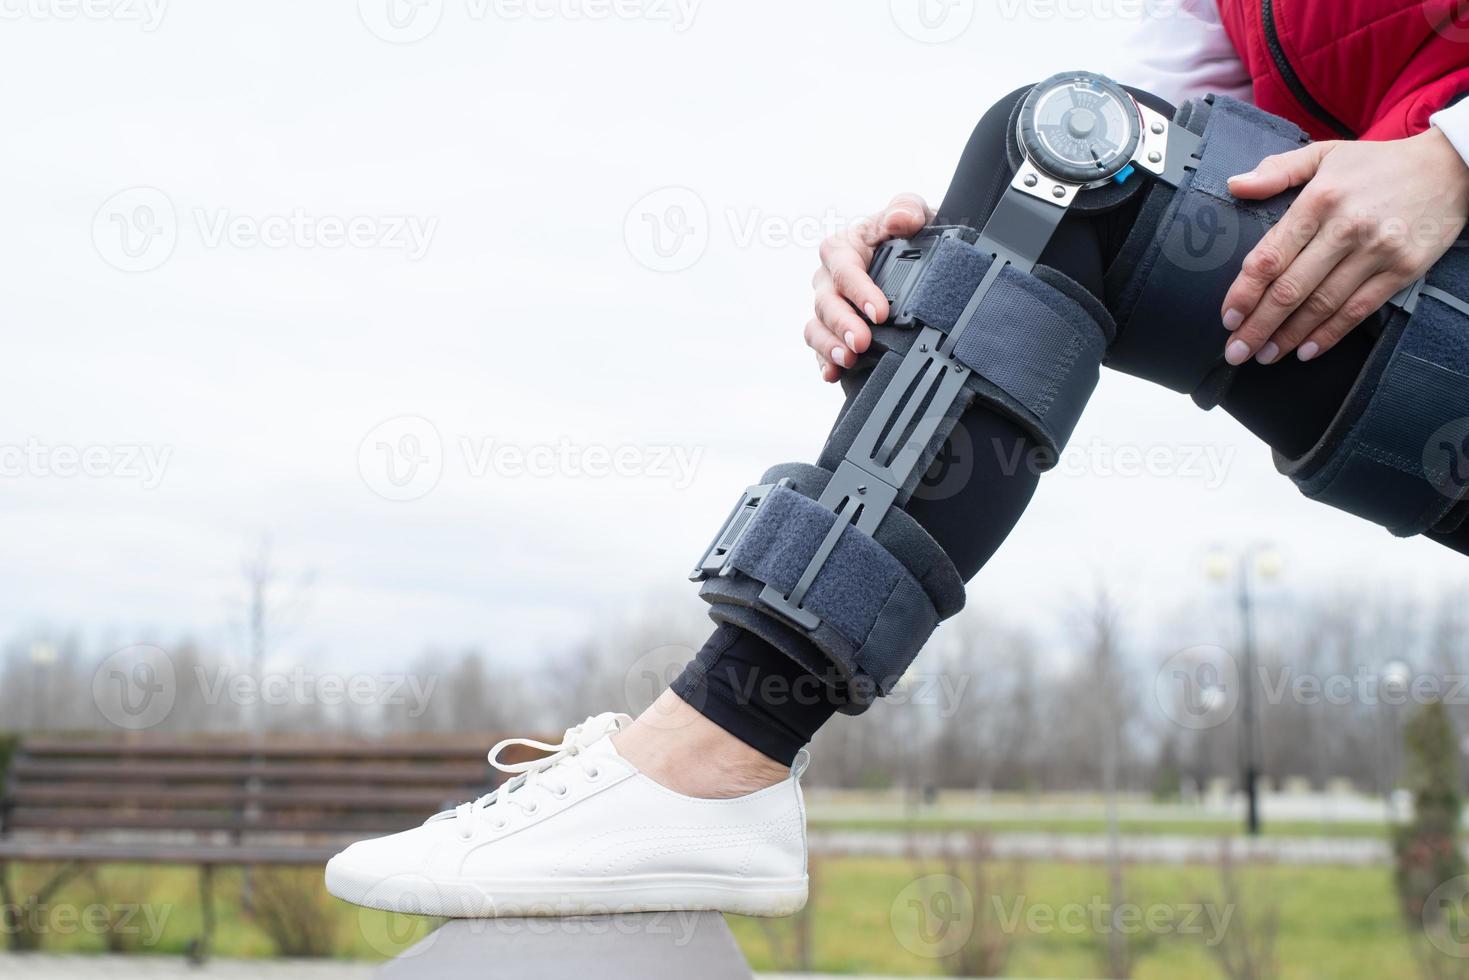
[1092, 825]
[1337, 922]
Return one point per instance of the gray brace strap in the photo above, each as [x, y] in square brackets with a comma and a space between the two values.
[829, 558]
[1396, 453]
[1035, 346]
[1169, 282]
[872, 601]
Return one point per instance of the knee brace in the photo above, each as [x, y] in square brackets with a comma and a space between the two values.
[1394, 453]
[825, 557]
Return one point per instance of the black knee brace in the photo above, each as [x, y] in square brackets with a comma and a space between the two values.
[824, 558]
[1394, 454]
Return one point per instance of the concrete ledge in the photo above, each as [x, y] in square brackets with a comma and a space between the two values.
[606, 947]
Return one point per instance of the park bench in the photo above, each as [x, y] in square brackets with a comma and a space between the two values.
[243, 802]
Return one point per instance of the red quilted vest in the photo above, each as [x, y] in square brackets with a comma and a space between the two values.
[1353, 69]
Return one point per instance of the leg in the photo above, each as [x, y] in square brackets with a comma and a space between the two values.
[1288, 405]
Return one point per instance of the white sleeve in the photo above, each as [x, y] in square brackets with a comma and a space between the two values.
[1454, 123]
[1181, 51]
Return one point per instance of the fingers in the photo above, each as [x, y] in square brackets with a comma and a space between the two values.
[843, 286]
[1324, 302]
[1283, 296]
[906, 214]
[828, 350]
[840, 321]
[1371, 297]
[1279, 173]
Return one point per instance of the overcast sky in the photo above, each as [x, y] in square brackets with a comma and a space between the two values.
[486, 311]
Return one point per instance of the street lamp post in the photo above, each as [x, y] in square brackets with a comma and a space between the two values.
[43, 655]
[1257, 559]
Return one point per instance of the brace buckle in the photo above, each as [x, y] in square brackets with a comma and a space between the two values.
[899, 264]
[715, 558]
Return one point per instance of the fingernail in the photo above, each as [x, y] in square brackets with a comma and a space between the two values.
[871, 312]
[1237, 352]
[1232, 320]
[1308, 350]
[1246, 176]
[1269, 353]
[851, 341]
[839, 356]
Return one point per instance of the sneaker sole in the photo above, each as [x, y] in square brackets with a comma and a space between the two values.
[460, 898]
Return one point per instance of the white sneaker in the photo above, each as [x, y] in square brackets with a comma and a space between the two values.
[582, 831]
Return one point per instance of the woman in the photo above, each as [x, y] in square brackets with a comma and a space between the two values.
[695, 804]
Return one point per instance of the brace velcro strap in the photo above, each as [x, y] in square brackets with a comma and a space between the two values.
[1397, 453]
[877, 599]
[1169, 301]
[1036, 351]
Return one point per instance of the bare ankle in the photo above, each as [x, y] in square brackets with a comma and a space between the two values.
[680, 749]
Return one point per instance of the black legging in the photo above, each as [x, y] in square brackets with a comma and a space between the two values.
[761, 696]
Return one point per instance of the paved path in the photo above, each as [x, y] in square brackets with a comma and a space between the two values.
[44, 966]
[1168, 849]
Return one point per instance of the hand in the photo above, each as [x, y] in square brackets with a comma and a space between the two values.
[1373, 218]
[836, 333]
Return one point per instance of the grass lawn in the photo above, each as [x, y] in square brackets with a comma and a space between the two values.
[1336, 922]
[1089, 825]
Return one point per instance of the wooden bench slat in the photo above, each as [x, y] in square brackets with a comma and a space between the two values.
[79, 748]
[334, 822]
[164, 853]
[130, 796]
[33, 770]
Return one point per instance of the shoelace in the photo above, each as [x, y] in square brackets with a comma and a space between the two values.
[538, 774]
